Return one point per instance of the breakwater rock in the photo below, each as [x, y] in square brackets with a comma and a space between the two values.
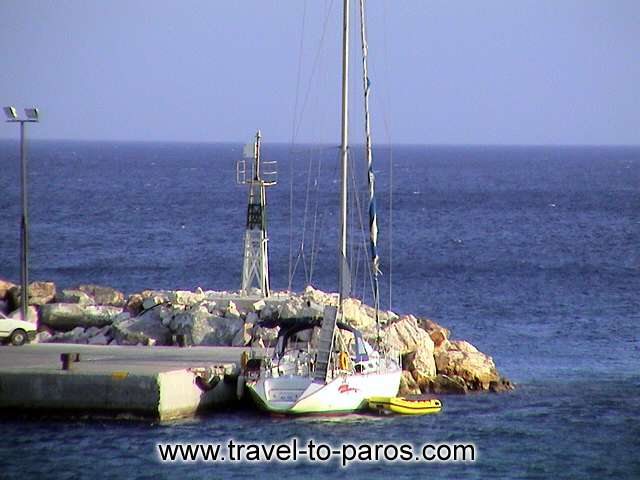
[432, 361]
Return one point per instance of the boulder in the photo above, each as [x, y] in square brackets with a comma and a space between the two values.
[43, 337]
[182, 322]
[405, 336]
[232, 311]
[501, 385]
[146, 329]
[320, 297]
[408, 386]
[462, 346]
[264, 337]
[99, 340]
[269, 312]
[213, 308]
[463, 360]
[252, 318]
[104, 295]
[77, 335]
[32, 314]
[106, 330]
[150, 302]
[92, 331]
[151, 298]
[134, 304]
[184, 297]
[214, 294]
[358, 315]
[244, 335]
[292, 308]
[259, 305]
[5, 286]
[222, 331]
[438, 333]
[168, 312]
[199, 327]
[74, 296]
[39, 293]
[442, 384]
[313, 310]
[66, 316]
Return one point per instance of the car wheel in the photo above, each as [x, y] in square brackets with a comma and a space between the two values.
[18, 337]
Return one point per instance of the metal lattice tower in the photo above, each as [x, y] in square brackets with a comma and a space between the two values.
[255, 269]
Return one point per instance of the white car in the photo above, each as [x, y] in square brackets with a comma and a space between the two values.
[17, 332]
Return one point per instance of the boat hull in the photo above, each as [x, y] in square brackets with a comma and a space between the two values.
[405, 406]
[300, 395]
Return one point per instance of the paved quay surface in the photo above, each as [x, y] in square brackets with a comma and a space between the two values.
[106, 358]
[156, 382]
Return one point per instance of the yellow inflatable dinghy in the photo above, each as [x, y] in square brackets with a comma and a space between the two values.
[405, 406]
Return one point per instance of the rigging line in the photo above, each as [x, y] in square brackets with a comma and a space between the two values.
[314, 67]
[385, 102]
[373, 220]
[352, 195]
[361, 254]
[319, 246]
[293, 130]
[304, 218]
[315, 219]
[301, 251]
[293, 267]
[363, 246]
[356, 246]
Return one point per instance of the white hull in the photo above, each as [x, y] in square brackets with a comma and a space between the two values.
[345, 393]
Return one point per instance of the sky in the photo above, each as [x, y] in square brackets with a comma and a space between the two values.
[543, 72]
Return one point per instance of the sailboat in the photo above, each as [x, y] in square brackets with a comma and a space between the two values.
[324, 365]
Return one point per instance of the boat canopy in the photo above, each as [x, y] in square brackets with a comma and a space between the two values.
[290, 327]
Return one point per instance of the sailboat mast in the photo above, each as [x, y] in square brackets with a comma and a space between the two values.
[344, 146]
[371, 177]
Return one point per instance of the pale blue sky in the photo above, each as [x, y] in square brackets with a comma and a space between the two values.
[466, 72]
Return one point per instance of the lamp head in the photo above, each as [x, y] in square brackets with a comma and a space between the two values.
[31, 113]
[11, 113]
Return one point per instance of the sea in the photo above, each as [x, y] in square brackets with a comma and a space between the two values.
[532, 254]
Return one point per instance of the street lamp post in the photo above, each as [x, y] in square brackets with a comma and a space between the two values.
[31, 117]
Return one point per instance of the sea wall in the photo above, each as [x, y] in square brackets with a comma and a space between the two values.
[433, 362]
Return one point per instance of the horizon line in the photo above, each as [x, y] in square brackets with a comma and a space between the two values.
[336, 145]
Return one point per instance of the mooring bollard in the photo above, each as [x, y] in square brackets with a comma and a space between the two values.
[68, 358]
[65, 358]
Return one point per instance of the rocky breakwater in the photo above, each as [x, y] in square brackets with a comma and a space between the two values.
[98, 315]
[433, 362]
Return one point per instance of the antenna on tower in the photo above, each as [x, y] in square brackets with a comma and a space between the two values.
[255, 269]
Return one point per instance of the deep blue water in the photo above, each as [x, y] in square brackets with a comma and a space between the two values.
[530, 253]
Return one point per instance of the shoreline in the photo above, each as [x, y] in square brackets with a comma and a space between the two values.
[202, 327]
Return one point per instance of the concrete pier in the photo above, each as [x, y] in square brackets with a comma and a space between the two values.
[150, 382]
